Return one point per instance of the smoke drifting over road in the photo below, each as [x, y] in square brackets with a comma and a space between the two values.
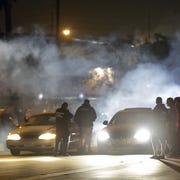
[32, 65]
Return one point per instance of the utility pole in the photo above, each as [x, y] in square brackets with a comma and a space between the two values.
[6, 6]
[149, 22]
[57, 20]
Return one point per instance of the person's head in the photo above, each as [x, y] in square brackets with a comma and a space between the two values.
[158, 100]
[64, 105]
[86, 101]
[170, 101]
[177, 102]
[177, 99]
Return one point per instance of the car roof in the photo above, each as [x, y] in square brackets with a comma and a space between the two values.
[134, 110]
[137, 109]
[40, 114]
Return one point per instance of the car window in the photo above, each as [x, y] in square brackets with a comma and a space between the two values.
[41, 120]
[131, 117]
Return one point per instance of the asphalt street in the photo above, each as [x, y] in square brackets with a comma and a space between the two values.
[31, 167]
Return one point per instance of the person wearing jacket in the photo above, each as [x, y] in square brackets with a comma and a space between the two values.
[84, 117]
[158, 135]
[63, 118]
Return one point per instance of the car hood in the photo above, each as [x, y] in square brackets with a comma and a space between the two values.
[33, 129]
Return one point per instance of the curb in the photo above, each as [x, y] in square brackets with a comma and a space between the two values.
[173, 163]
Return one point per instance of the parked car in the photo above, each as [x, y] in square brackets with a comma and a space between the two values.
[129, 131]
[37, 134]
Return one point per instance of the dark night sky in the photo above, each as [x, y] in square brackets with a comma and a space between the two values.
[99, 17]
[124, 16]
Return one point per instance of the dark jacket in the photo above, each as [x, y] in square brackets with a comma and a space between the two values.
[85, 115]
[63, 117]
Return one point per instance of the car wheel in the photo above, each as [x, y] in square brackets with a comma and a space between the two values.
[15, 152]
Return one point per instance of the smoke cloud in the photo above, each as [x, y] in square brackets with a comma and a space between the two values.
[32, 65]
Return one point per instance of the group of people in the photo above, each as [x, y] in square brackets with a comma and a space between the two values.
[166, 128]
[84, 116]
[165, 132]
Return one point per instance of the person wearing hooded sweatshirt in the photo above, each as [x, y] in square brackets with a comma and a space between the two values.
[84, 117]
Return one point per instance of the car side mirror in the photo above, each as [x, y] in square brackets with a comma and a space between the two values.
[105, 122]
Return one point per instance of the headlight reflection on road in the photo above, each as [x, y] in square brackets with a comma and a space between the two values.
[102, 160]
[46, 159]
[144, 167]
[132, 164]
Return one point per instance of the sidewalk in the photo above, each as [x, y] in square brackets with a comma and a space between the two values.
[173, 162]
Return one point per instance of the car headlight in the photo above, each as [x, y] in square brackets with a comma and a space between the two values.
[103, 136]
[47, 136]
[142, 135]
[14, 137]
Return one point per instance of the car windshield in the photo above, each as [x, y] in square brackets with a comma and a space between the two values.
[132, 117]
[45, 119]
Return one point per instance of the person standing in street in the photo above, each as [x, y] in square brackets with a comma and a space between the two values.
[158, 135]
[171, 127]
[63, 118]
[177, 108]
[84, 117]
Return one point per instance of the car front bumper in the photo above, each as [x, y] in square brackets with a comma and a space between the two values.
[31, 144]
[124, 146]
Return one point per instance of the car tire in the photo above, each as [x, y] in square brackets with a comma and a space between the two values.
[15, 152]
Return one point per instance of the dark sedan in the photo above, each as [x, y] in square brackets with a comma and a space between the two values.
[129, 131]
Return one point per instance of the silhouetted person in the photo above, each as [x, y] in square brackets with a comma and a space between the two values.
[177, 107]
[171, 126]
[84, 117]
[7, 123]
[63, 118]
[158, 136]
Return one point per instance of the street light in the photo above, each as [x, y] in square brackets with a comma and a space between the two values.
[66, 32]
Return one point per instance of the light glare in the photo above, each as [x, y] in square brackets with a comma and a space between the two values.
[47, 136]
[143, 135]
[14, 137]
[103, 136]
[66, 32]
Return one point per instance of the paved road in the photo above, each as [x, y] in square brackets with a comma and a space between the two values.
[125, 167]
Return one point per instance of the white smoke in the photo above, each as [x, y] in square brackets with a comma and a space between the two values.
[32, 65]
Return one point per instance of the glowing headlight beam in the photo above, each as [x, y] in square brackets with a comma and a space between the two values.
[142, 135]
[47, 136]
[14, 137]
[103, 136]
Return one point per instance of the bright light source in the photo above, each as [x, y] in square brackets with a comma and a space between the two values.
[101, 76]
[14, 137]
[81, 96]
[47, 136]
[142, 135]
[66, 32]
[103, 136]
[40, 96]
